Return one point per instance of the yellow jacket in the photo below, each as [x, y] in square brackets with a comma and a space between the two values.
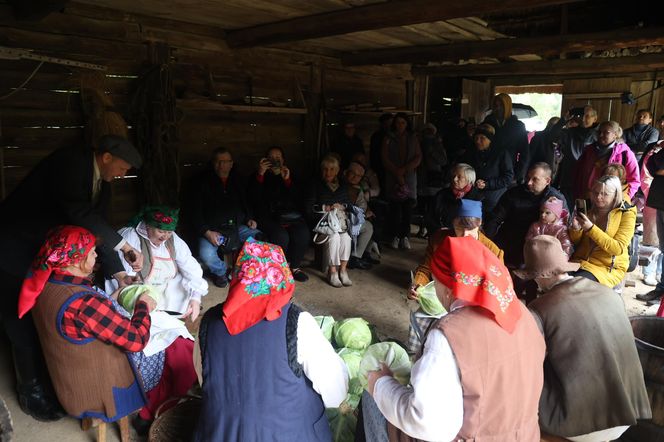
[604, 253]
[423, 271]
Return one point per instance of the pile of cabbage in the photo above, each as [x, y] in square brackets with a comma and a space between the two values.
[357, 346]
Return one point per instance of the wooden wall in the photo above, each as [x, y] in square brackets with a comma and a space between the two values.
[46, 113]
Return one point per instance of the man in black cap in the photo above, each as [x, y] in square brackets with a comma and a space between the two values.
[70, 186]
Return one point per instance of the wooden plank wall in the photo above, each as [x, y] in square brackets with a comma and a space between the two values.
[47, 115]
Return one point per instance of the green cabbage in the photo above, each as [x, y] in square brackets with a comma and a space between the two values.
[342, 423]
[353, 333]
[128, 295]
[426, 295]
[325, 323]
[352, 359]
[389, 353]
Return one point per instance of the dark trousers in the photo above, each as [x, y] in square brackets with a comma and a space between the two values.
[293, 237]
[400, 215]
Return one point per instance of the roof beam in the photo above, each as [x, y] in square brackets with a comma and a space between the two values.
[506, 47]
[617, 65]
[372, 16]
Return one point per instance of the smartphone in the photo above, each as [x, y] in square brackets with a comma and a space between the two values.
[580, 205]
[222, 241]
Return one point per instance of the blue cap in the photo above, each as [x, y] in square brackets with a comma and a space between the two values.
[469, 208]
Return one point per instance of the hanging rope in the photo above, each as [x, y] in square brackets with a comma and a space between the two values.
[22, 85]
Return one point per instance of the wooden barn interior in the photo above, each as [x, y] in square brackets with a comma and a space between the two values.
[182, 77]
[189, 76]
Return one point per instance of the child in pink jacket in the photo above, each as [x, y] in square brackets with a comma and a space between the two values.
[552, 222]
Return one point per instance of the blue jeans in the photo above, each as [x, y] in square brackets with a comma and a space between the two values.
[208, 252]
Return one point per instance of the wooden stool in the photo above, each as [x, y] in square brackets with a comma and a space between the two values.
[88, 423]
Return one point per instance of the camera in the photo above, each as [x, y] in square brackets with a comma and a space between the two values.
[577, 112]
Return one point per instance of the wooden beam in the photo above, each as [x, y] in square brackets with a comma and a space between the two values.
[505, 47]
[373, 16]
[196, 104]
[618, 65]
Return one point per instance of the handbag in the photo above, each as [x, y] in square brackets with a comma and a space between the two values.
[232, 238]
[327, 225]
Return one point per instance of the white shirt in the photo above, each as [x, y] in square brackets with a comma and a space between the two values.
[321, 364]
[188, 268]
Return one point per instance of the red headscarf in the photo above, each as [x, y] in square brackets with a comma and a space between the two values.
[476, 275]
[65, 246]
[261, 286]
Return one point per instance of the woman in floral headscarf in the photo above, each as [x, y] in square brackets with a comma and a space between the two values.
[168, 264]
[94, 353]
[489, 390]
[267, 371]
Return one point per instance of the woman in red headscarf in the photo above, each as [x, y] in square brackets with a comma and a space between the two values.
[267, 371]
[94, 351]
[479, 375]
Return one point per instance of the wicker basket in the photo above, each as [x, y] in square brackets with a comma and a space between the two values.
[177, 423]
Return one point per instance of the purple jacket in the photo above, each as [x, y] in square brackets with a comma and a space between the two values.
[587, 171]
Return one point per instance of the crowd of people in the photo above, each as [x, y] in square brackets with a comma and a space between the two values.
[524, 242]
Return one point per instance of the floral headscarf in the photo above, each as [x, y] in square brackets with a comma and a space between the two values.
[65, 246]
[261, 286]
[476, 275]
[159, 217]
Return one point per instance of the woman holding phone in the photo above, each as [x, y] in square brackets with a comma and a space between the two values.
[602, 234]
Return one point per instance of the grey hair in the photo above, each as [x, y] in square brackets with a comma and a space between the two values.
[615, 127]
[612, 183]
[330, 159]
[468, 172]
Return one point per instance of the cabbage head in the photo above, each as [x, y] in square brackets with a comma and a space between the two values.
[389, 353]
[426, 296]
[353, 333]
[325, 323]
[352, 359]
[128, 295]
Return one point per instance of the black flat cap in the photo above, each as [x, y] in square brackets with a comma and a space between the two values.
[120, 147]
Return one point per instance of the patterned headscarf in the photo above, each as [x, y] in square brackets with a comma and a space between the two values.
[476, 275]
[262, 285]
[65, 246]
[159, 217]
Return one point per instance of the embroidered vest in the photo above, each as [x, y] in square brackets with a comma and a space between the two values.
[250, 389]
[501, 375]
[91, 379]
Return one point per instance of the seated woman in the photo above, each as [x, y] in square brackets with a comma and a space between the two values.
[92, 346]
[168, 264]
[360, 258]
[493, 166]
[446, 201]
[466, 221]
[276, 197]
[326, 194]
[266, 369]
[488, 390]
[602, 237]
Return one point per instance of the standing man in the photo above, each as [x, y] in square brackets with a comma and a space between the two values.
[511, 134]
[593, 380]
[70, 186]
[348, 144]
[376, 147]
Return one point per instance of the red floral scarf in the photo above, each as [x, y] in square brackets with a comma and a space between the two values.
[262, 285]
[476, 275]
[65, 246]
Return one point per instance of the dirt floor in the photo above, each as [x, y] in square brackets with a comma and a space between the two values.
[378, 295]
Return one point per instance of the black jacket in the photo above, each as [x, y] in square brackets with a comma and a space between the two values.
[215, 206]
[512, 137]
[441, 213]
[572, 142]
[319, 194]
[57, 191]
[510, 220]
[272, 197]
[640, 143]
[493, 166]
